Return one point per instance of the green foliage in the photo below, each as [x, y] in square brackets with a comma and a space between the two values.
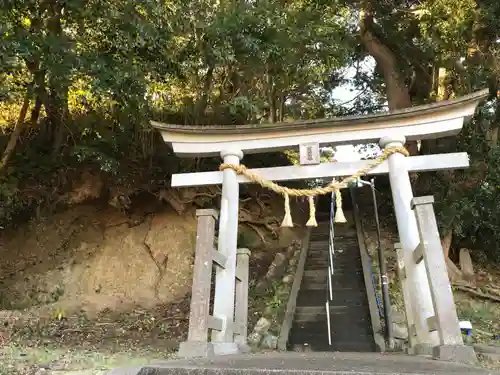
[477, 212]
[95, 72]
[470, 206]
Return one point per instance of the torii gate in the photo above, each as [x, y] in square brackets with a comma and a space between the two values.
[390, 129]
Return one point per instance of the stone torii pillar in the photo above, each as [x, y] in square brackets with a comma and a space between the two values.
[402, 194]
[228, 239]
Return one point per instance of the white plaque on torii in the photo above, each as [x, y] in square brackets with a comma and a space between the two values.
[309, 154]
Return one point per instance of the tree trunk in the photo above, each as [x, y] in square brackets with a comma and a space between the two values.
[35, 112]
[398, 95]
[492, 132]
[282, 100]
[14, 137]
[39, 91]
[56, 103]
[446, 242]
[60, 131]
[202, 103]
[271, 98]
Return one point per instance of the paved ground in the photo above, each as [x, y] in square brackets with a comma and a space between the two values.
[308, 363]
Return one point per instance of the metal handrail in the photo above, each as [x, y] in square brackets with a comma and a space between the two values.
[331, 253]
[383, 269]
[377, 298]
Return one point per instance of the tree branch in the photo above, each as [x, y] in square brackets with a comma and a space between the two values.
[14, 137]
[397, 93]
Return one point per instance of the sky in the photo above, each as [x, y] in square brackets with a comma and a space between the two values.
[344, 94]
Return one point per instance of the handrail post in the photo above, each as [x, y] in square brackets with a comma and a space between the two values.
[197, 343]
[200, 320]
[241, 298]
[403, 280]
[445, 321]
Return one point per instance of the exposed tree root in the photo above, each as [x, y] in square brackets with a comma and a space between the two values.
[476, 293]
[161, 266]
[270, 223]
[254, 212]
[181, 199]
[258, 231]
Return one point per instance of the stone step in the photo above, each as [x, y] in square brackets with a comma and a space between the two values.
[337, 264]
[322, 338]
[352, 306]
[348, 272]
[338, 281]
[318, 244]
[338, 315]
[340, 263]
[318, 310]
[340, 328]
[359, 322]
[320, 343]
[340, 255]
[324, 238]
[309, 363]
[337, 251]
[349, 312]
[324, 226]
[337, 235]
[337, 271]
[340, 298]
[349, 333]
[310, 275]
[336, 285]
[325, 222]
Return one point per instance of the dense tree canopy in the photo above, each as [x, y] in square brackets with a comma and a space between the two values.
[79, 81]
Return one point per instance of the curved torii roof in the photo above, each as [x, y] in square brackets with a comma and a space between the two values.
[428, 121]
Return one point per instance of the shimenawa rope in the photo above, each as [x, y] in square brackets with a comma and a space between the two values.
[332, 187]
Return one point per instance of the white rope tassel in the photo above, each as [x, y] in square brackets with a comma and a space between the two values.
[287, 220]
[312, 213]
[339, 214]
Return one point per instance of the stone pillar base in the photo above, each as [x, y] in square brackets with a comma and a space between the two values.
[421, 349]
[125, 371]
[225, 348]
[196, 349]
[193, 349]
[455, 353]
[244, 348]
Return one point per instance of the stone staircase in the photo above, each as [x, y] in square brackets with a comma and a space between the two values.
[349, 312]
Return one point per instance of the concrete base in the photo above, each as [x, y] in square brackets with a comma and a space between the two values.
[226, 348]
[244, 348]
[203, 349]
[125, 371]
[421, 349]
[309, 364]
[455, 353]
[195, 349]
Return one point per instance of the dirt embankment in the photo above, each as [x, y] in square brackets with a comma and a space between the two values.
[92, 259]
